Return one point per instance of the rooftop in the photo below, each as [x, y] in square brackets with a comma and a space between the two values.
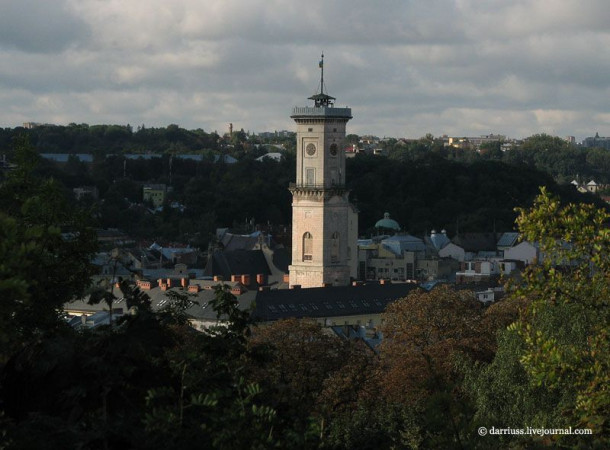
[370, 298]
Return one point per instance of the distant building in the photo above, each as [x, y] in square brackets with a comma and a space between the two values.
[86, 191]
[597, 141]
[113, 237]
[154, 193]
[404, 258]
[358, 304]
[275, 156]
[592, 186]
[474, 142]
[31, 125]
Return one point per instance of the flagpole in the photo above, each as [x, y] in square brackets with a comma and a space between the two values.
[322, 76]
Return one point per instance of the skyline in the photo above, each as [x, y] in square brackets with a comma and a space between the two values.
[460, 67]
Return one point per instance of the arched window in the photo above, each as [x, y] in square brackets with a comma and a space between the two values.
[307, 247]
[334, 247]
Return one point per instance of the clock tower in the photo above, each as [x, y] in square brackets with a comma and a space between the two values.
[324, 223]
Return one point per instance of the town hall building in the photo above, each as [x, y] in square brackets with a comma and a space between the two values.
[324, 222]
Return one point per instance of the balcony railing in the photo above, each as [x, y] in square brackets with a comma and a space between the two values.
[322, 111]
[315, 186]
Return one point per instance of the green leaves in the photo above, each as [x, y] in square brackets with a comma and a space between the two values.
[566, 328]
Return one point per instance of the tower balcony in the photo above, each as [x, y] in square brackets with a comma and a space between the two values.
[323, 190]
[304, 112]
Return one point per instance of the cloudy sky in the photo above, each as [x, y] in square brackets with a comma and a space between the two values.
[405, 67]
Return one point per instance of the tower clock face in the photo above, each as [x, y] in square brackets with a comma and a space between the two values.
[333, 149]
[310, 149]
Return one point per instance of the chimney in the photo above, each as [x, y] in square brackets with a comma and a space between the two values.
[260, 279]
[235, 278]
[237, 290]
[245, 280]
[193, 288]
[184, 282]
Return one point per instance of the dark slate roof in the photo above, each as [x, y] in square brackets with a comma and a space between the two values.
[476, 242]
[282, 257]
[237, 262]
[232, 242]
[508, 239]
[371, 298]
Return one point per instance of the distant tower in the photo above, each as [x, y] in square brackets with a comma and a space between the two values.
[324, 223]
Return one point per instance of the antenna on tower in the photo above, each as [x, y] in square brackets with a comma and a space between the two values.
[321, 64]
[322, 99]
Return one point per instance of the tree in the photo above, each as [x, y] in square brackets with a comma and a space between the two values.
[422, 332]
[150, 381]
[309, 376]
[566, 329]
[552, 365]
[426, 337]
[47, 250]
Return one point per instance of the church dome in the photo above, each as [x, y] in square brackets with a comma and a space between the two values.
[387, 223]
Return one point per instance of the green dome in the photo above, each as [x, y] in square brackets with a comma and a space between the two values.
[387, 223]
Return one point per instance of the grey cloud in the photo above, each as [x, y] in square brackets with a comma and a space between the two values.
[406, 67]
[39, 26]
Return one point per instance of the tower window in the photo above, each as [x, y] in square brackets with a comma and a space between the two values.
[334, 248]
[310, 176]
[307, 246]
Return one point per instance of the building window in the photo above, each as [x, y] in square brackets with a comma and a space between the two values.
[334, 247]
[307, 247]
[410, 271]
[310, 176]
